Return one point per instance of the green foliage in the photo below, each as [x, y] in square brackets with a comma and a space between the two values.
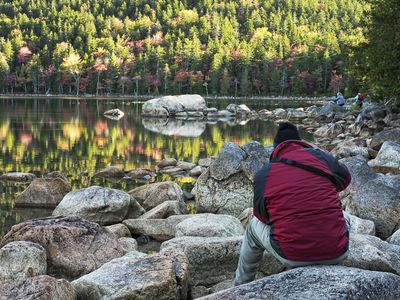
[376, 59]
[219, 47]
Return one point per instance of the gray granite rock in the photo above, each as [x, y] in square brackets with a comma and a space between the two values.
[97, 204]
[319, 282]
[147, 277]
[41, 287]
[73, 245]
[128, 244]
[164, 210]
[388, 158]
[379, 138]
[18, 177]
[228, 162]
[111, 172]
[44, 192]
[152, 195]
[22, 259]
[120, 230]
[158, 229]
[210, 225]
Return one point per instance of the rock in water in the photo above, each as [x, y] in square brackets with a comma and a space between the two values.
[114, 114]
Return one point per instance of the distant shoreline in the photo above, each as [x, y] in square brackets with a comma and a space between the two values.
[147, 97]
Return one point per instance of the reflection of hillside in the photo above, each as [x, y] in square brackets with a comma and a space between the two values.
[174, 127]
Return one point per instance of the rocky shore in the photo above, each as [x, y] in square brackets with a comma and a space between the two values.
[89, 248]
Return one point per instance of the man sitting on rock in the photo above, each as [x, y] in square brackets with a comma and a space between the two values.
[297, 211]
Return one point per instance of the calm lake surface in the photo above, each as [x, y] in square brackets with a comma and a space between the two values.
[73, 136]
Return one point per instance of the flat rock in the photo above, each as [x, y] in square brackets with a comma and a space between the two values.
[318, 282]
[353, 147]
[158, 229]
[205, 162]
[186, 166]
[388, 158]
[141, 174]
[196, 171]
[148, 277]
[210, 225]
[97, 204]
[44, 192]
[41, 287]
[74, 246]
[22, 259]
[18, 177]
[152, 195]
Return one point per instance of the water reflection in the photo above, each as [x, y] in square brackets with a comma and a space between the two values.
[73, 136]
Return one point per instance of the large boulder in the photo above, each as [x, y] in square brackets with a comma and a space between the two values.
[158, 229]
[371, 112]
[227, 162]
[211, 260]
[210, 225]
[371, 253]
[74, 246]
[318, 282]
[148, 277]
[329, 130]
[379, 138]
[41, 287]
[22, 259]
[353, 147]
[18, 177]
[329, 109]
[378, 200]
[97, 204]
[388, 158]
[170, 105]
[151, 195]
[226, 186]
[44, 192]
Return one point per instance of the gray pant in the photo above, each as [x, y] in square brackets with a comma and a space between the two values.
[256, 240]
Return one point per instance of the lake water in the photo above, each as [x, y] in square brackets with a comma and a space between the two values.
[43, 135]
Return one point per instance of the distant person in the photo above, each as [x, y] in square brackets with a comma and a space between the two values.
[358, 100]
[298, 216]
[340, 99]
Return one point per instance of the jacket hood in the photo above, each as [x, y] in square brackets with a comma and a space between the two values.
[293, 144]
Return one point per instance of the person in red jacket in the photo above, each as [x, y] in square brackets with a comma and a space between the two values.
[297, 212]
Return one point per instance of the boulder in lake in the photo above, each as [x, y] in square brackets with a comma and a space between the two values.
[41, 287]
[152, 195]
[168, 106]
[388, 158]
[318, 282]
[18, 177]
[74, 246]
[148, 277]
[22, 259]
[97, 204]
[114, 114]
[141, 174]
[44, 192]
[111, 172]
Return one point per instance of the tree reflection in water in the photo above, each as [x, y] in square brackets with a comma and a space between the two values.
[73, 136]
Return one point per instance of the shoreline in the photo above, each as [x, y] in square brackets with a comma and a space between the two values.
[148, 97]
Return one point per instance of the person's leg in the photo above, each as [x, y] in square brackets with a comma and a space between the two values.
[251, 253]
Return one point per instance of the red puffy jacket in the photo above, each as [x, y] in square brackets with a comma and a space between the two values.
[301, 205]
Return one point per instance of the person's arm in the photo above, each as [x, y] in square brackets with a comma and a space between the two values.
[260, 210]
